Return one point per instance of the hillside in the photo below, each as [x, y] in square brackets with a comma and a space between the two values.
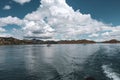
[14, 41]
[111, 41]
[76, 42]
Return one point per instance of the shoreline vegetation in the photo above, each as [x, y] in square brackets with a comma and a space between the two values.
[14, 41]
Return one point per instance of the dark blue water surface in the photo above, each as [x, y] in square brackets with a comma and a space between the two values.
[60, 62]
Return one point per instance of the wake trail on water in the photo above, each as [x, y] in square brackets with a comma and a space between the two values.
[110, 73]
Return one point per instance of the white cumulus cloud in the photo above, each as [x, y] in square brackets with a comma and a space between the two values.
[2, 29]
[94, 35]
[5, 35]
[57, 20]
[10, 20]
[7, 7]
[6, 21]
[22, 1]
[64, 21]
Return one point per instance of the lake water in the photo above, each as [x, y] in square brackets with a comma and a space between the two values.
[60, 62]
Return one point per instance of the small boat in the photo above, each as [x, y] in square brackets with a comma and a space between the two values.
[48, 45]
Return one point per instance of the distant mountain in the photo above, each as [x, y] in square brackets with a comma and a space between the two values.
[76, 42]
[111, 41]
[14, 41]
[8, 40]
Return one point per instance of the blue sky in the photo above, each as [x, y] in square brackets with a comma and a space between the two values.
[18, 9]
[103, 10]
[102, 17]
